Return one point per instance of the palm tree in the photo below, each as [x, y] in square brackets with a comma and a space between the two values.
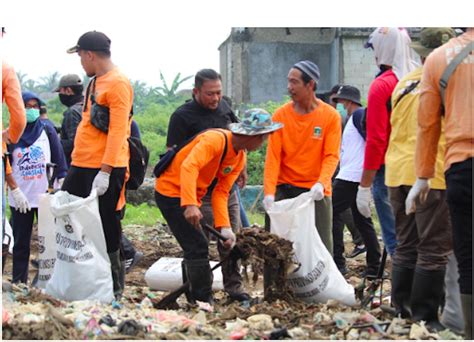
[50, 82]
[21, 78]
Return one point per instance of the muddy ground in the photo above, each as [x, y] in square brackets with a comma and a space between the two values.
[30, 314]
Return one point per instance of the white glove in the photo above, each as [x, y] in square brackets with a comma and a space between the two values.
[363, 200]
[317, 192]
[419, 190]
[268, 202]
[101, 183]
[229, 235]
[21, 202]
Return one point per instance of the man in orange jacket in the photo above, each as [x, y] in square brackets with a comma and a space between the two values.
[100, 159]
[215, 153]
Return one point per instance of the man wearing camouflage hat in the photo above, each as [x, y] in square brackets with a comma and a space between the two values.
[423, 234]
[179, 190]
[70, 94]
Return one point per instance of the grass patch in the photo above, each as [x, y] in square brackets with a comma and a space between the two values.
[142, 214]
[256, 217]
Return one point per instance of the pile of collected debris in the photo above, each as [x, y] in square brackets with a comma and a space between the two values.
[28, 313]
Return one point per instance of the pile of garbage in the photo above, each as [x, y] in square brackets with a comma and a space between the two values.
[28, 313]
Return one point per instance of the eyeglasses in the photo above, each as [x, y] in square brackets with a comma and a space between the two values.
[36, 106]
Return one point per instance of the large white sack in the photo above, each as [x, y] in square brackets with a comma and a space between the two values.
[46, 240]
[82, 268]
[318, 278]
[166, 275]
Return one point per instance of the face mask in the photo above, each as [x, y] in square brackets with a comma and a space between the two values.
[32, 114]
[340, 108]
[69, 100]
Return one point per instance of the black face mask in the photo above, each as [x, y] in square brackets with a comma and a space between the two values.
[69, 100]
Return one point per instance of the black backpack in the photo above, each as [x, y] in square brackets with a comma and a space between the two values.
[167, 157]
[139, 156]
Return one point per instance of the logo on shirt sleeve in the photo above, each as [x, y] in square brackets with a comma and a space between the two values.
[317, 132]
[227, 170]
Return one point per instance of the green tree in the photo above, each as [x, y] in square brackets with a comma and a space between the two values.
[50, 82]
[169, 93]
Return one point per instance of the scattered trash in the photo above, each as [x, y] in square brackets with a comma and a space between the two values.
[28, 313]
[108, 320]
[130, 327]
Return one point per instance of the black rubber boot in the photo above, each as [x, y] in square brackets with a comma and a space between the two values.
[200, 277]
[402, 279]
[189, 298]
[466, 301]
[426, 297]
[118, 273]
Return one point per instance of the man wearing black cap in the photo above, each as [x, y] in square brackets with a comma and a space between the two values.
[101, 153]
[347, 182]
[304, 154]
[70, 94]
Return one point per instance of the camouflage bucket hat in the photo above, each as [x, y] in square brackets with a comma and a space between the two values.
[255, 121]
[431, 38]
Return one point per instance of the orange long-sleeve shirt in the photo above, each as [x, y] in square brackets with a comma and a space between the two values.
[194, 168]
[11, 94]
[305, 150]
[92, 147]
[459, 94]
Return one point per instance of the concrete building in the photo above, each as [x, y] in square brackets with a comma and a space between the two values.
[254, 62]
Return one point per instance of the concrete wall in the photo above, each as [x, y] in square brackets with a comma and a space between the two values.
[358, 64]
[255, 61]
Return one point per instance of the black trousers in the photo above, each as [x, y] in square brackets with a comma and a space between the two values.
[343, 197]
[459, 196]
[22, 226]
[193, 242]
[79, 182]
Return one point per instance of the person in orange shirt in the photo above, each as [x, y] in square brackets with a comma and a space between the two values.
[304, 155]
[457, 109]
[11, 94]
[101, 154]
[215, 153]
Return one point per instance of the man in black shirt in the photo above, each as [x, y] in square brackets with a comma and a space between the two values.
[70, 94]
[207, 110]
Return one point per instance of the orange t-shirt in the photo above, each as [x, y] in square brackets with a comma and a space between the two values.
[458, 129]
[11, 94]
[305, 150]
[92, 147]
[194, 168]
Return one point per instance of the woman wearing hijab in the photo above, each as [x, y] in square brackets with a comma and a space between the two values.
[38, 146]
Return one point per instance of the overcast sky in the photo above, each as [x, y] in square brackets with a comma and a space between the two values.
[175, 36]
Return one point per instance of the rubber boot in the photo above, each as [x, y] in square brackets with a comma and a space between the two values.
[189, 298]
[426, 297]
[466, 301]
[402, 279]
[200, 278]
[118, 273]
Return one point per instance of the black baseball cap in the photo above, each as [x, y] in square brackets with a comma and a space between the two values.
[347, 92]
[92, 41]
